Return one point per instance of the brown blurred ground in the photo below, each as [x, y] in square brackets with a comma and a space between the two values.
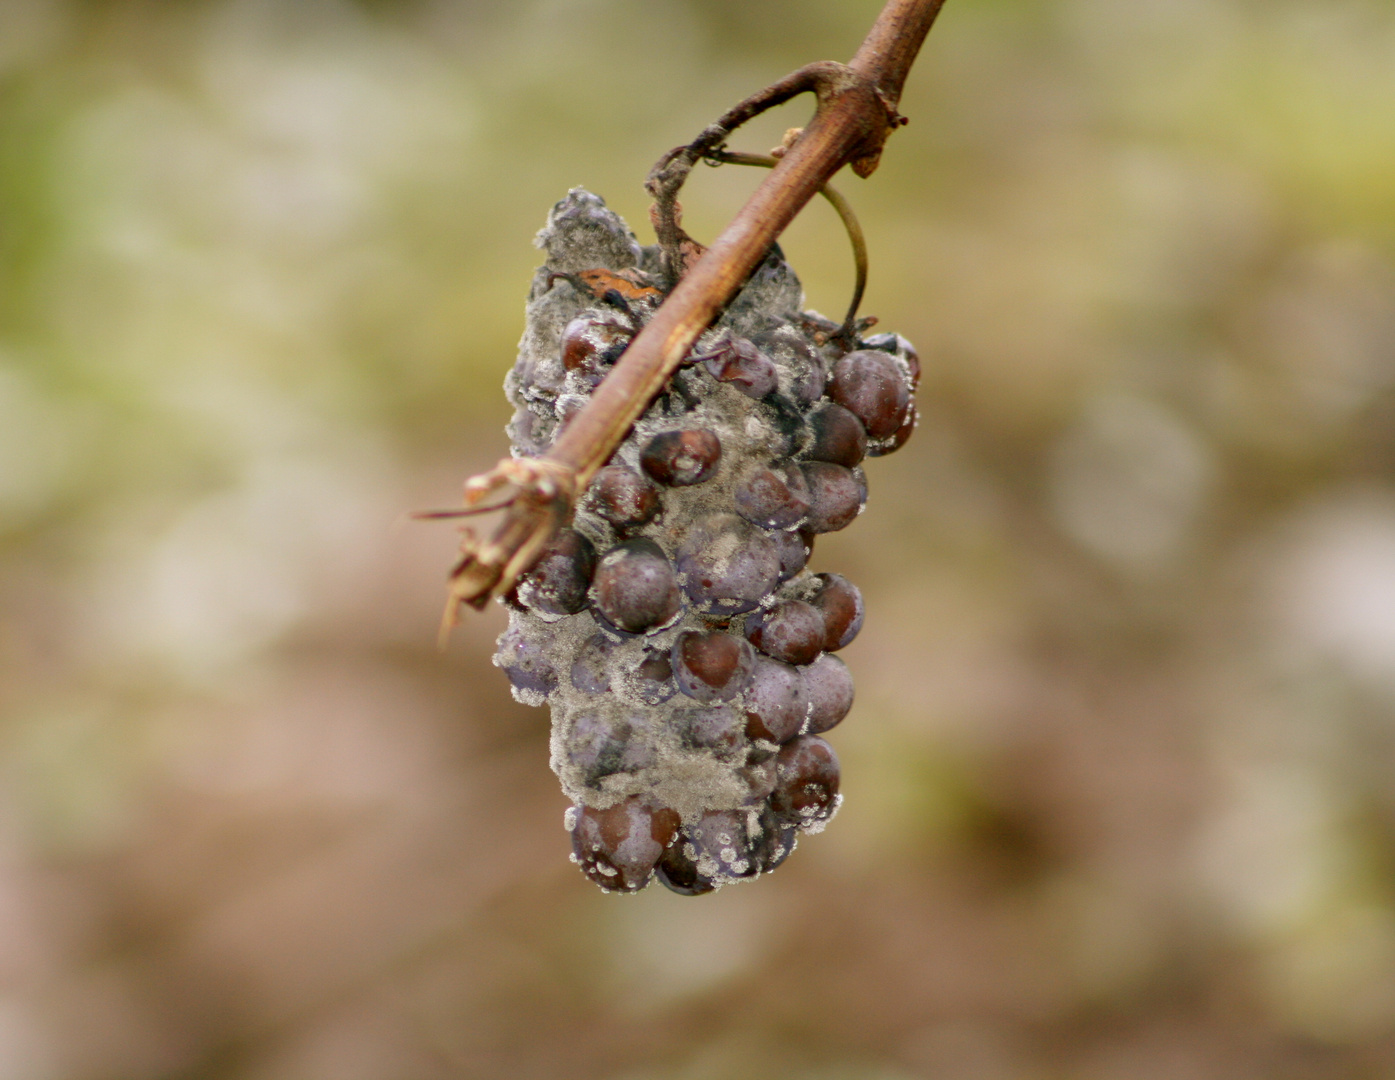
[1121, 776]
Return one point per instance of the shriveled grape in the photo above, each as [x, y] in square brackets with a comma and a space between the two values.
[682, 458]
[557, 584]
[623, 497]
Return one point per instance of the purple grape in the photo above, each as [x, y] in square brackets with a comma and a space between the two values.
[618, 848]
[777, 702]
[836, 496]
[728, 566]
[720, 847]
[598, 745]
[773, 496]
[759, 777]
[653, 678]
[591, 345]
[870, 385]
[738, 362]
[840, 603]
[591, 666]
[829, 685]
[682, 458]
[794, 549]
[777, 840]
[623, 497]
[899, 439]
[711, 665]
[838, 436]
[594, 746]
[791, 630]
[805, 376]
[635, 587]
[720, 729]
[524, 660]
[895, 343]
[557, 584]
[806, 785]
[678, 872]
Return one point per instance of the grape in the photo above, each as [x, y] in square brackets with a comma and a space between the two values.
[738, 362]
[623, 497]
[777, 701]
[617, 848]
[591, 668]
[635, 586]
[653, 678]
[759, 777]
[794, 549]
[836, 496]
[806, 785]
[895, 343]
[599, 745]
[840, 603]
[897, 440]
[777, 840]
[557, 584]
[728, 567]
[773, 496]
[870, 385]
[590, 345]
[720, 846]
[525, 662]
[594, 746]
[711, 665]
[838, 436]
[679, 873]
[802, 370]
[681, 458]
[830, 688]
[791, 630]
[720, 729]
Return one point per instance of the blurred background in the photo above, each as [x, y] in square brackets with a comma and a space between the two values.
[1121, 776]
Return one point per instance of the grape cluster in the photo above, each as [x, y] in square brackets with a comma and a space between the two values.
[687, 653]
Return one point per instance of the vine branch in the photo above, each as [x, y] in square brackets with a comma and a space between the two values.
[855, 112]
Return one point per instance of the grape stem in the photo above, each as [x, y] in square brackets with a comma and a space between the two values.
[855, 112]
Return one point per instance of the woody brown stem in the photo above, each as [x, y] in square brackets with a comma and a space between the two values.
[856, 111]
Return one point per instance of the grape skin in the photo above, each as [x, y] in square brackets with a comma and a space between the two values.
[682, 458]
[635, 587]
[618, 847]
[728, 566]
[839, 601]
[791, 630]
[836, 496]
[711, 665]
[829, 684]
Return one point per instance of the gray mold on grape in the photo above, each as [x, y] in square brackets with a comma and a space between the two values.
[611, 745]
